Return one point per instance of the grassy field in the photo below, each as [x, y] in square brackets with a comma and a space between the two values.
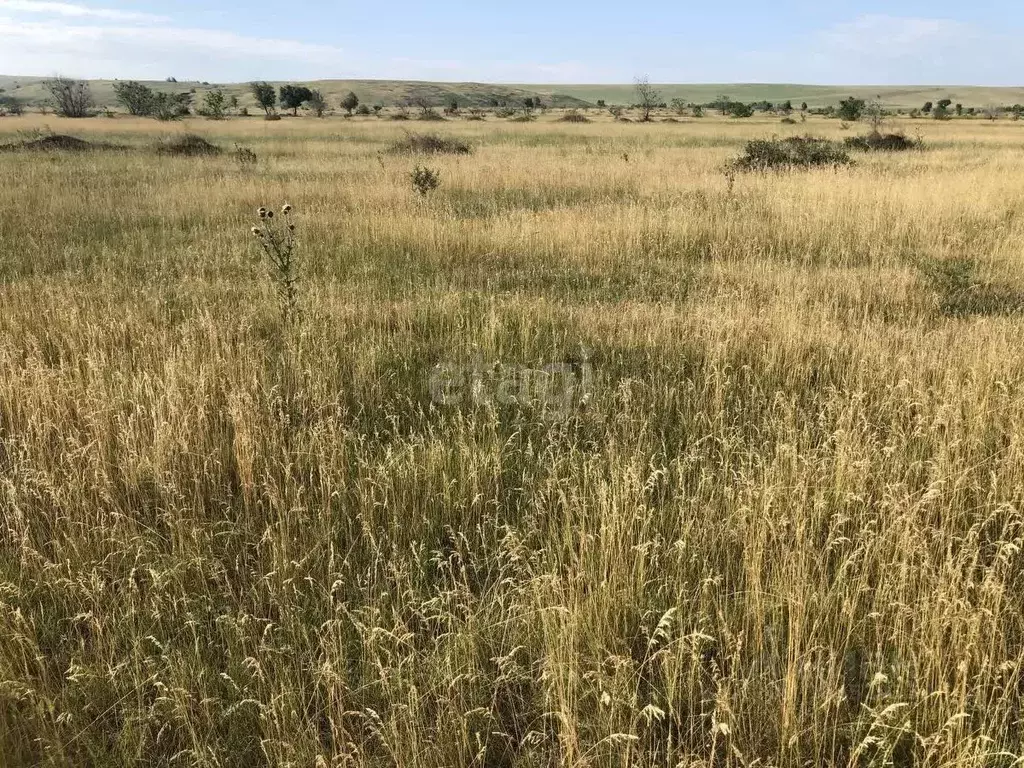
[776, 520]
[393, 92]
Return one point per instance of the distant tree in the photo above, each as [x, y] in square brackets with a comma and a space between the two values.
[601, 103]
[377, 109]
[959, 110]
[317, 102]
[11, 106]
[233, 102]
[786, 107]
[453, 107]
[71, 98]
[722, 103]
[739, 109]
[350, 102]
[265, 95]
[170, 106]
[927, 108]
[698, 110]
[364, 109]
[135, 97]
[679, 105]
[648, 98]
[803, 107]
[876, 114]
[213, 103]
[528, 105]
[294, 96]
[851, 109]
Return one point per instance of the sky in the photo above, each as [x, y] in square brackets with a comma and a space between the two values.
[841, 42]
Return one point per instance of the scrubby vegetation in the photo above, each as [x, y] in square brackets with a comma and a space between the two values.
[189, 145]
[791, 153]
[883, 142]
[431, 144]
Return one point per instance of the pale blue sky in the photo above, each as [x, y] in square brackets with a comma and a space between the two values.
[840, 42]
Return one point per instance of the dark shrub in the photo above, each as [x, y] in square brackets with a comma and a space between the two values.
[882, 142]
[791, 153]
[430, 144]
[188, 145]
[572, 116]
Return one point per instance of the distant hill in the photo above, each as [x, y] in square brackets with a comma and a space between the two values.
[394, 92]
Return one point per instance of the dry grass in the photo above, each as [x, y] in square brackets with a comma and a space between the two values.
[784, 530]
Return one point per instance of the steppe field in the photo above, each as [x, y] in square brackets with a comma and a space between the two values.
[774, 517]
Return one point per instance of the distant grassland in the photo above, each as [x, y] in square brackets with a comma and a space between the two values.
[393, 92]
[783, 526]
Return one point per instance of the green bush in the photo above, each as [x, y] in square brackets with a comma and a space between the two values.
[795, 152]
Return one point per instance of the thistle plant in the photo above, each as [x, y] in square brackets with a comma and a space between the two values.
[276, 237]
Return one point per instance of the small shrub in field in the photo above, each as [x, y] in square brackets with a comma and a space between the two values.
[430, 144]
[961, 291]
[791, 153]
[475, 118]
[882, 142]
[425, 180]
[573, 116]
[398, 116]
[364, 110]
[245, 156]
[788, 121]
[504, 112]
[188, 145]
[272, 117]
[276, 238]
[522, 119]
[430, 116]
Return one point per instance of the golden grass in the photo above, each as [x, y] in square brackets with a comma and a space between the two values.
[785, 529]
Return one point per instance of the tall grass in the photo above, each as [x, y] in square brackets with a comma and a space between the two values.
[784, 529]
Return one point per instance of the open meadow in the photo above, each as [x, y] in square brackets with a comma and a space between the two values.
[775, 516]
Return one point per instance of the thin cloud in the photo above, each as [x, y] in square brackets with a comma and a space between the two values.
[77, 11]
[128, 51]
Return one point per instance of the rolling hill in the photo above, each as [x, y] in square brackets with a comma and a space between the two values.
[394, 92]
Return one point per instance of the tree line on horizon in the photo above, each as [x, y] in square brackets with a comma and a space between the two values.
[73, 98]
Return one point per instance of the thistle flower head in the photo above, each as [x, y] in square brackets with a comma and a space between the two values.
[270, 214]
[256, 232]
[286, 209]
[262, 212]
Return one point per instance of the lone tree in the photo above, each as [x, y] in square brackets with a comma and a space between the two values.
[265, 95]
[134, 97]
[851, 109]
[71, 98]
[648, 98]
[350, 102]
[293, 96]
[317, 102]
[214, 103]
